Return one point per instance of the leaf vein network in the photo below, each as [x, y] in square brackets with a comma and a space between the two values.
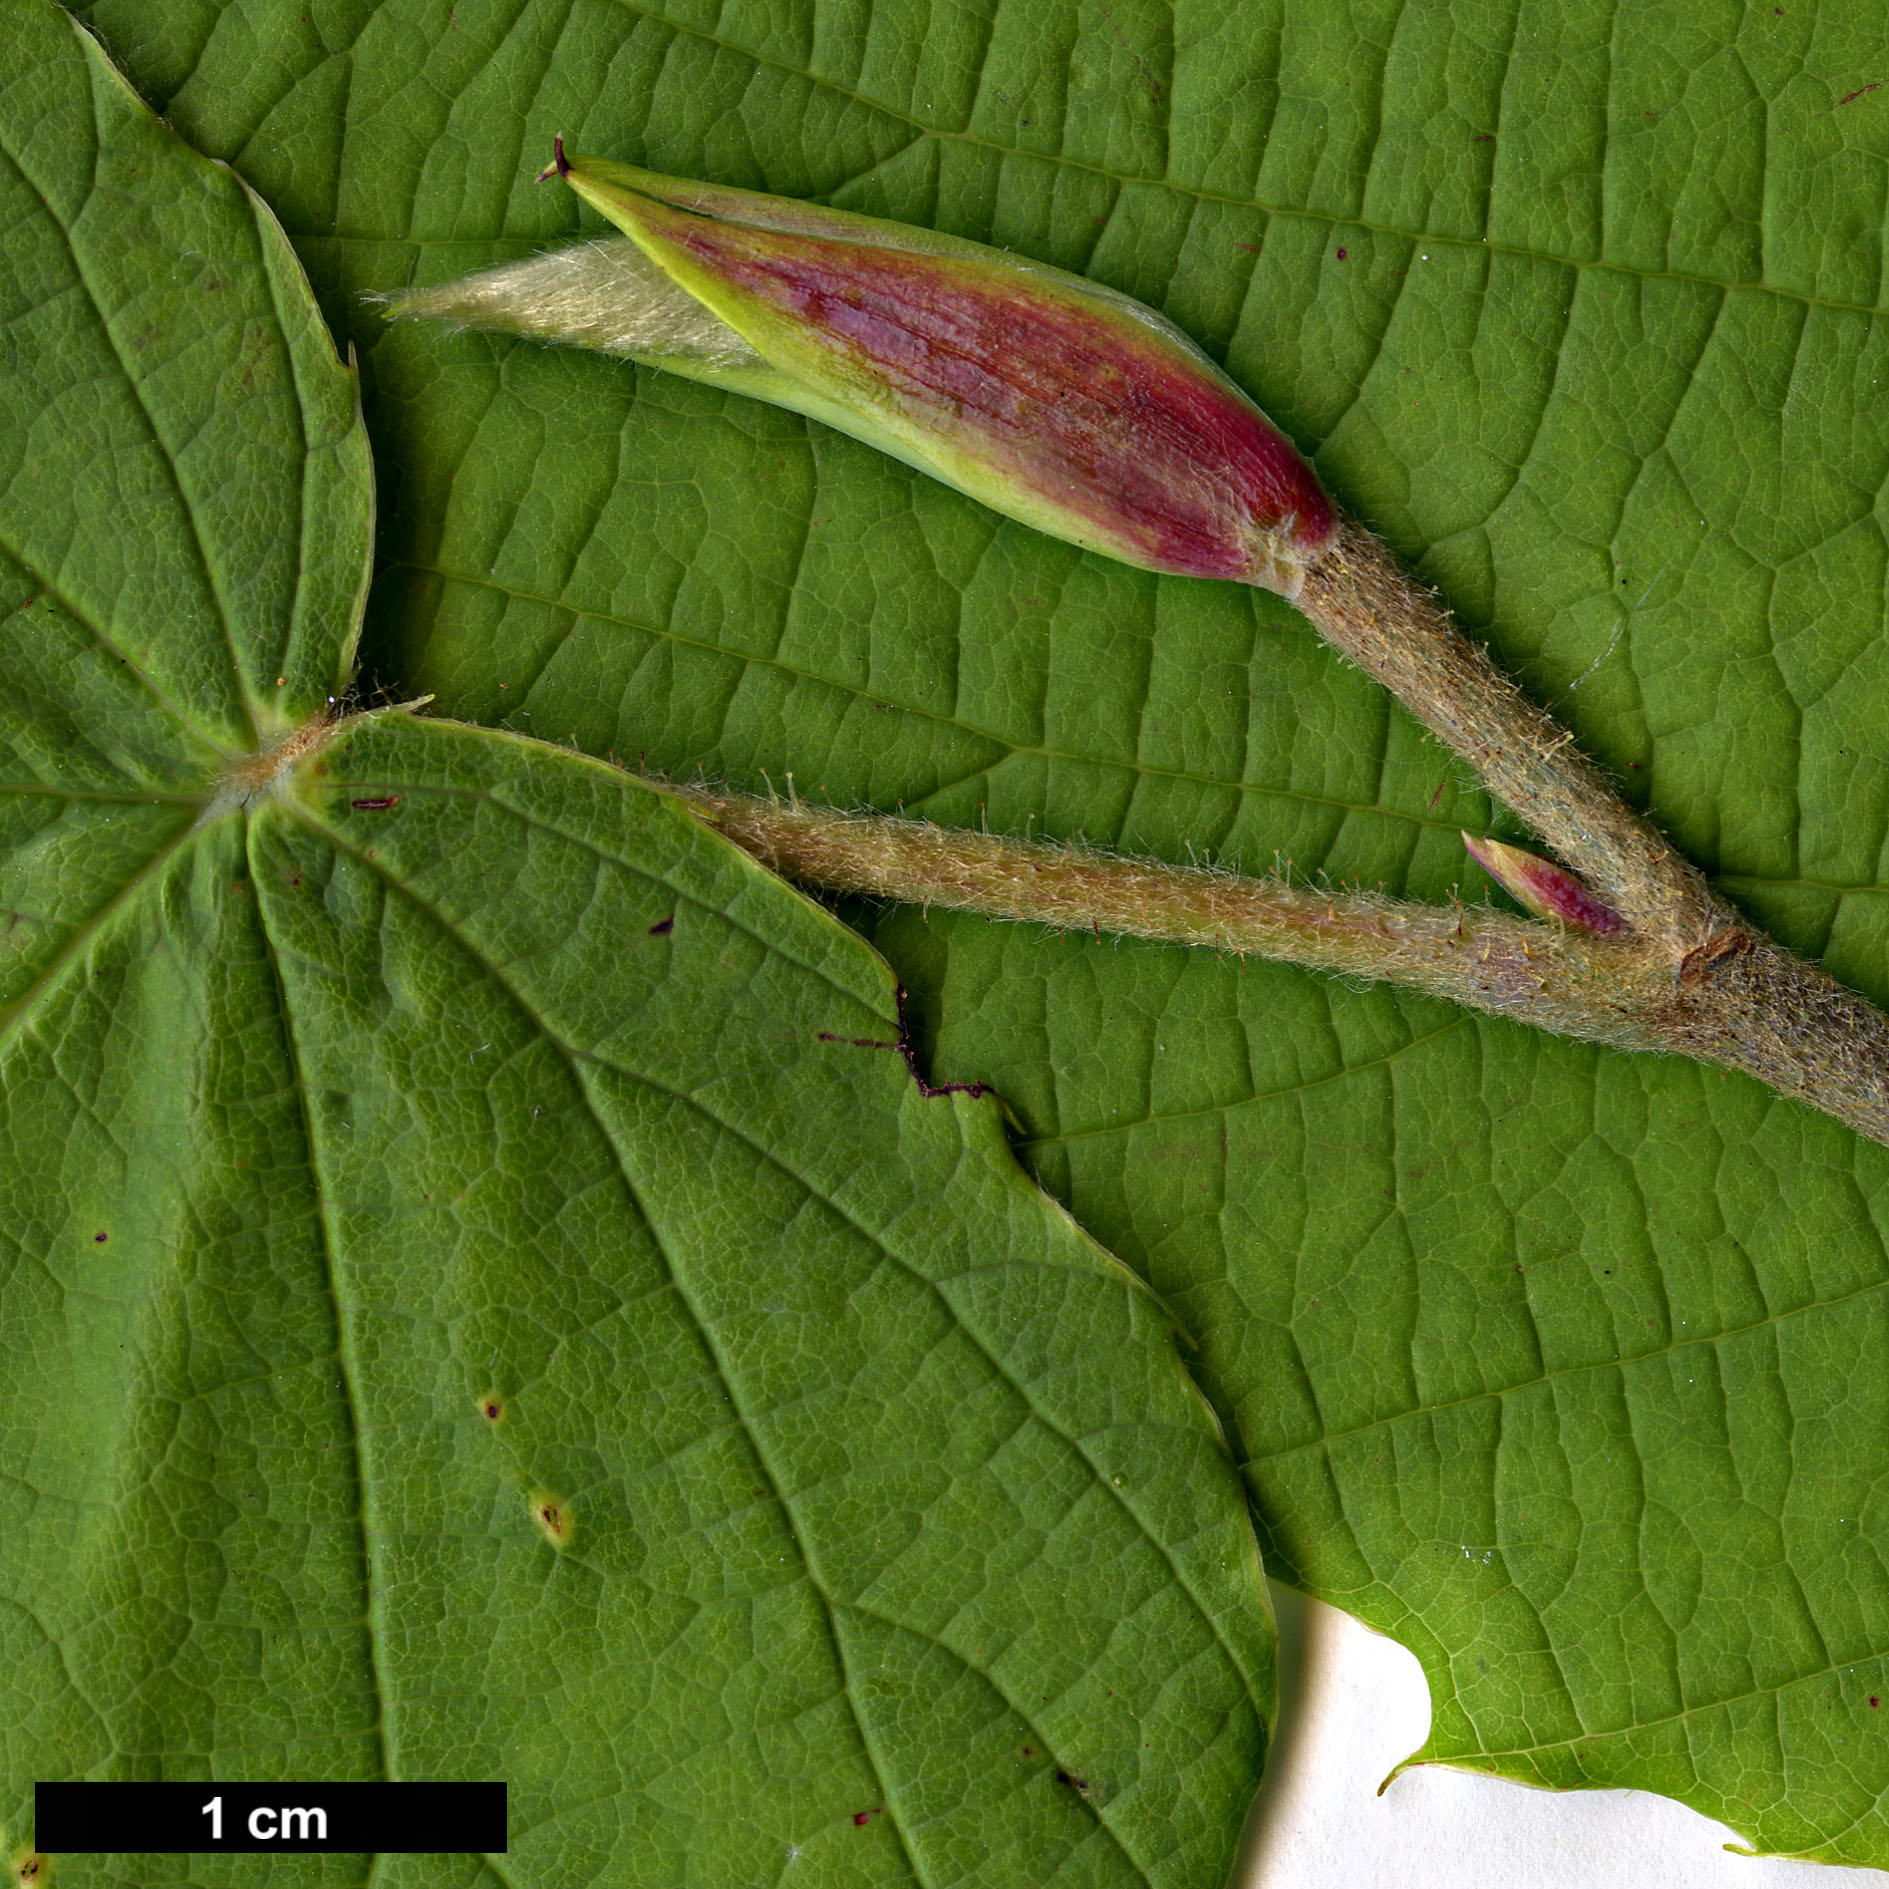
[770, 1158]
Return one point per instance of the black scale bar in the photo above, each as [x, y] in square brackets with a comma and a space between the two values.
[165, 1819]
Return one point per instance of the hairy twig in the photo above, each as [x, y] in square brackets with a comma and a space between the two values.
[1364, 604]
[1083, 414]
[1678, 971]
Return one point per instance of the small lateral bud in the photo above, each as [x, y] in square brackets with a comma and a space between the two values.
[1045, 396]
[1540, 886]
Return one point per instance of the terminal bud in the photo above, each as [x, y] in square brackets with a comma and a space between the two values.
[1045, 396]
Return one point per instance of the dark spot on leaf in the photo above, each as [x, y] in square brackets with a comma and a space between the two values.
[1875, 1704]
[553, 1519]
[1029, 1751]
[377, 804]
[663, 927]
[863, 1817]
[1850, 98]
[1073, 1779]
[1341, 252]
[99, 1238]
[491, 1406]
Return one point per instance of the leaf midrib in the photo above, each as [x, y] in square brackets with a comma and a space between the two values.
[18, 1014]
[1497, 1392]
[135, 387]
[74, 614]
[374, 1594]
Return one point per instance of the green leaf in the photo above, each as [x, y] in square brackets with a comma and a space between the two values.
[485, 1292]
[1558, 1364]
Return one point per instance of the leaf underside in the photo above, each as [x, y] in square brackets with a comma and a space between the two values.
[1562, 1366]
[486, 1294]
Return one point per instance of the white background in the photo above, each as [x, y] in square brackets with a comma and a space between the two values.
[1353, 1705]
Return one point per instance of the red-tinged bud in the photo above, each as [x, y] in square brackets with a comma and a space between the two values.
[1540, 886]
[1049, 398]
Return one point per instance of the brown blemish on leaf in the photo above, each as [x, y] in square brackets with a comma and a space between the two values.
[553, 1519]
[663, 926]
[491, 1406]
[376, 803]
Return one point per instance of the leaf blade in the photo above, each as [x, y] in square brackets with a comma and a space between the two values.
[438, 1213]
